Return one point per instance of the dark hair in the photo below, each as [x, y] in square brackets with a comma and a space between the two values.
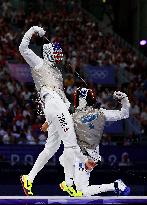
[91, 98]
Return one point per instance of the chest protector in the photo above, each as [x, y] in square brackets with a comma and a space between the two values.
[49, 76]
[89, 126]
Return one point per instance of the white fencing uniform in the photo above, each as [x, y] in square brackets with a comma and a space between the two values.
[49, 83]
[89, 124]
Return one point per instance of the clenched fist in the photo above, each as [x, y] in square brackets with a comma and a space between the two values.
[39, 30]
[119, 95]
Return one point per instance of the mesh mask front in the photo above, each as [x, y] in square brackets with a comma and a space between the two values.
[53, 53]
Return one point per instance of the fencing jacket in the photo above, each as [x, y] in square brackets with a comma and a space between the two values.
[89, 123]
[46, 75]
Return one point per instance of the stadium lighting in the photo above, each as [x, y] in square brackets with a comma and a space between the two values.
[143, 42]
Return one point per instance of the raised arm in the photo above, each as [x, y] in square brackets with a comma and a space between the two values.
[31, 58]
[115, 115]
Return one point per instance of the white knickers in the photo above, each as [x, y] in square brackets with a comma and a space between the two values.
[57, 114]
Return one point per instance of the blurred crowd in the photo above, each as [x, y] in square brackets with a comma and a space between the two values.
[83, 43]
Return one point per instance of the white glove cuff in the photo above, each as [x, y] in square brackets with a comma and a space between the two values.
[29, 33]
[125, 101]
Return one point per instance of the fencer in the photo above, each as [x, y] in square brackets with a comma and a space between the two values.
[89, 125]
[49, 84]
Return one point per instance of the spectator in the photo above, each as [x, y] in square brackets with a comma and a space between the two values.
[125, 160]
[83, 43]
[144, 119]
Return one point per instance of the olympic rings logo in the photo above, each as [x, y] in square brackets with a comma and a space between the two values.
[101, 74]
